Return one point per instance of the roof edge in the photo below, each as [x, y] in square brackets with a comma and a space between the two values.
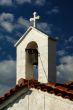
[14, 97]
[28, 30]
[50, 87]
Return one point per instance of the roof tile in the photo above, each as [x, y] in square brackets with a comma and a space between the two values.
[63, 90]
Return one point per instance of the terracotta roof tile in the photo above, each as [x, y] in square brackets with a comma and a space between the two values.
[63, 90]
[69, 83]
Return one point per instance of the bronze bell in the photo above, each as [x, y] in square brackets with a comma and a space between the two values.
[33, 56]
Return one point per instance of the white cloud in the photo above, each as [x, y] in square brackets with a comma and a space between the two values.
[6, 21]
[70, 39]
[44, 27]
[23, 1]
[6, 17]
[7, 26]
[7, 72]
[6, 2]
[11, 39]
[23, 22]
[61, 52]
[54, 10]
[69, 43]
[1, 37]
[20, 2]
[35, 2]
[65, 69]
[67, 60]
[40, 2]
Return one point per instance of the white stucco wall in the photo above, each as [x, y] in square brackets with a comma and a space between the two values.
[42, 41]
[38, 100]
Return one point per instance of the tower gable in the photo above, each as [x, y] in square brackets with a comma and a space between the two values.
[28, 31]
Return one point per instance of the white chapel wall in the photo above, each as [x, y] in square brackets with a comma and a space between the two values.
[42, 42]
[38, 100]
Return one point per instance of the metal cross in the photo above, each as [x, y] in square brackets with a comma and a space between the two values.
[35, 17]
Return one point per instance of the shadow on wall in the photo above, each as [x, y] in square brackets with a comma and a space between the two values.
[21, 97]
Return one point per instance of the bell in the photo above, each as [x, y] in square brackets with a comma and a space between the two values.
[33, 56]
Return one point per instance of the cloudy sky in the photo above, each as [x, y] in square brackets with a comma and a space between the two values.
[56, 19]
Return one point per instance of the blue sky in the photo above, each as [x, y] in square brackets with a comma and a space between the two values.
[56, 19]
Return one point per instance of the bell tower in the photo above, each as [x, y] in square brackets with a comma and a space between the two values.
[36, 55]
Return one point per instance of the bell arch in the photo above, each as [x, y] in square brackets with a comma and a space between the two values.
[31, 66]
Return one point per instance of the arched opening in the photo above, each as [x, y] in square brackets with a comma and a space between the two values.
[32, 61]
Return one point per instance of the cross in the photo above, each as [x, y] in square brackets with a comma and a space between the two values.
[35, 17]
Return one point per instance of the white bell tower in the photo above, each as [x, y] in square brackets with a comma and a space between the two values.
[36, 55]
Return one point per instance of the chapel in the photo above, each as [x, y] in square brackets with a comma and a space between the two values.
[36, 87]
